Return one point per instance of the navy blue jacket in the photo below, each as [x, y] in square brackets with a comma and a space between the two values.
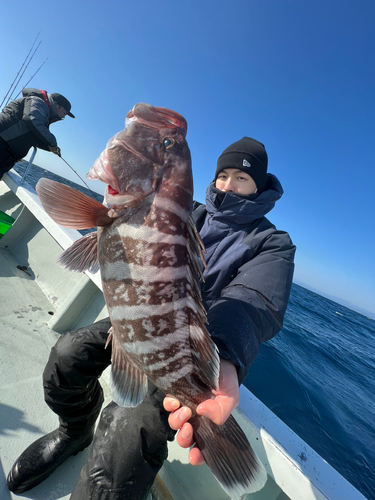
[249, 272]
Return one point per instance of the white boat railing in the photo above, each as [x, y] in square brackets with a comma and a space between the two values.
[32, 157]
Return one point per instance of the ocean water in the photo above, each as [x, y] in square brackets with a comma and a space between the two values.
[317, 375]
[35, 173]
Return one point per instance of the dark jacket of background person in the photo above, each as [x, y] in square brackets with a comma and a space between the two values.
[250, 269]
[25, 122]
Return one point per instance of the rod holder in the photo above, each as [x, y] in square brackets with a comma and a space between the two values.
[28, 165]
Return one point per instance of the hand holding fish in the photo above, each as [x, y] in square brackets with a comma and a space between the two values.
[218, 410]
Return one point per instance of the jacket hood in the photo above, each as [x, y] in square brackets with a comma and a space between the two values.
[240, 210]
[53, 116]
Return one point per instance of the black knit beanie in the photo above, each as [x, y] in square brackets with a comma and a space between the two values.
[247, 155]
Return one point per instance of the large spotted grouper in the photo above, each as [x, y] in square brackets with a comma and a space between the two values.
[148, 251]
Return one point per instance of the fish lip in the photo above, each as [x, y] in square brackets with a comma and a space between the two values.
[102, 171]
[106, 179]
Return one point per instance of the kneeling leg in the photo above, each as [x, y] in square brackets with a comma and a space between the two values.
[128, 450]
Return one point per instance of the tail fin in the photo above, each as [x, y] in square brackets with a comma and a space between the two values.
[229, 456]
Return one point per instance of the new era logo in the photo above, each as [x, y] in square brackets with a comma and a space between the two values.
[246, 164]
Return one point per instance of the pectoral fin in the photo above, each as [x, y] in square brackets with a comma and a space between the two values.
[71, 208]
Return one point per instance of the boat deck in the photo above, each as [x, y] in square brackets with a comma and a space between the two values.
[25, 344]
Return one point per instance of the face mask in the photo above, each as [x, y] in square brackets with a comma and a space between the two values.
[221, 195]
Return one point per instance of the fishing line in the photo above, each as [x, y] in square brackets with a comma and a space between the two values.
[92, 192]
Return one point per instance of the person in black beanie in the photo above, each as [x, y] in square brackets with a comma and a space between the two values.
[246, 155]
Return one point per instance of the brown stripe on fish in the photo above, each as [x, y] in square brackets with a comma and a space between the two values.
[166, 220]
[159, 324]
[171, 345]
[162, 319]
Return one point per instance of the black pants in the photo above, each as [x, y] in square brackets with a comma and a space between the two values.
[7, 159]
[130, 444]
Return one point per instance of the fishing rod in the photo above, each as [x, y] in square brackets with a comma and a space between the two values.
[10, 88]
[31, 78]
[92, 192]
[25, 69]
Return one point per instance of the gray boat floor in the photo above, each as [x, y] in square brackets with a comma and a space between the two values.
[25, 343]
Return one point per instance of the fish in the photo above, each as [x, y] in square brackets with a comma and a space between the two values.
[150, 257]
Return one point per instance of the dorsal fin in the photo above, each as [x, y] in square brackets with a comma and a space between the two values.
[205, 354]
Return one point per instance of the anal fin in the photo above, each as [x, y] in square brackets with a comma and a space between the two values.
[128, 382]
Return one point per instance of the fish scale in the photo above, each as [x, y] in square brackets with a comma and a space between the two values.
[148, 252]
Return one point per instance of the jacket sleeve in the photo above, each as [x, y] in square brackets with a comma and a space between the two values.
[251, 308]
[36, 116]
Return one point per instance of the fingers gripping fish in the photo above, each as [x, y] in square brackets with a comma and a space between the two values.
[147, 249]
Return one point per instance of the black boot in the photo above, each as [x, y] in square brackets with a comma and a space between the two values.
[42, 457]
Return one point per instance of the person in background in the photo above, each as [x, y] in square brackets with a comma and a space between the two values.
[25, 122]
[245, 293]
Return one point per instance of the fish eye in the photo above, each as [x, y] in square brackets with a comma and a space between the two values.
[168, 143]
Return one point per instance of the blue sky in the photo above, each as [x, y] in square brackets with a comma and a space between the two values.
[296, 75]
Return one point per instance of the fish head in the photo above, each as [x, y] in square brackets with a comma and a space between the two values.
[136, 159]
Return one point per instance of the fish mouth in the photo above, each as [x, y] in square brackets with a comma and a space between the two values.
[102, 171]
[113, 199]
[111, 191]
